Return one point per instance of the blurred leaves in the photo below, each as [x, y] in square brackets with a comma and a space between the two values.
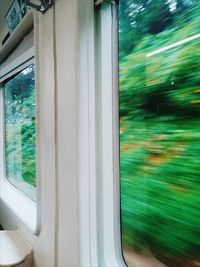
[159, 129]
[20, 127]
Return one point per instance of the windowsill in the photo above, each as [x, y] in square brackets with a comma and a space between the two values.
[24, 187]
[23, 207]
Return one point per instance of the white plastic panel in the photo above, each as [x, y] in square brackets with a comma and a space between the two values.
[13, 248]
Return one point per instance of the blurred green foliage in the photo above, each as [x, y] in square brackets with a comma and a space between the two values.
[160, 129]
[160, 187]
[20, 127]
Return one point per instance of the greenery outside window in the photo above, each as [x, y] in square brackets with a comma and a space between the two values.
[20, 132]
[159, 91]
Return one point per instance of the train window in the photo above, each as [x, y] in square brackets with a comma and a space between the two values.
[20, 156]
[159, 132]
[18, 125]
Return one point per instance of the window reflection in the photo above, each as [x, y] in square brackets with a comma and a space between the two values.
[159, 77]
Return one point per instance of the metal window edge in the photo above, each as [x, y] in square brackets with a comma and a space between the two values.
[98, 2]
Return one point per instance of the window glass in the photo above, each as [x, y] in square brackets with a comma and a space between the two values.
[159, 88]
[20, 147]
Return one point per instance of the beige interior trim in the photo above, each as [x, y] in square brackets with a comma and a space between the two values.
[17, 36]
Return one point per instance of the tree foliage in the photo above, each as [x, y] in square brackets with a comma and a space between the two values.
[20, 127]
[160, 132]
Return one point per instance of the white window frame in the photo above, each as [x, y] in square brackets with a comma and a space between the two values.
[20, 204]
[100, 234]
[108, 116]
